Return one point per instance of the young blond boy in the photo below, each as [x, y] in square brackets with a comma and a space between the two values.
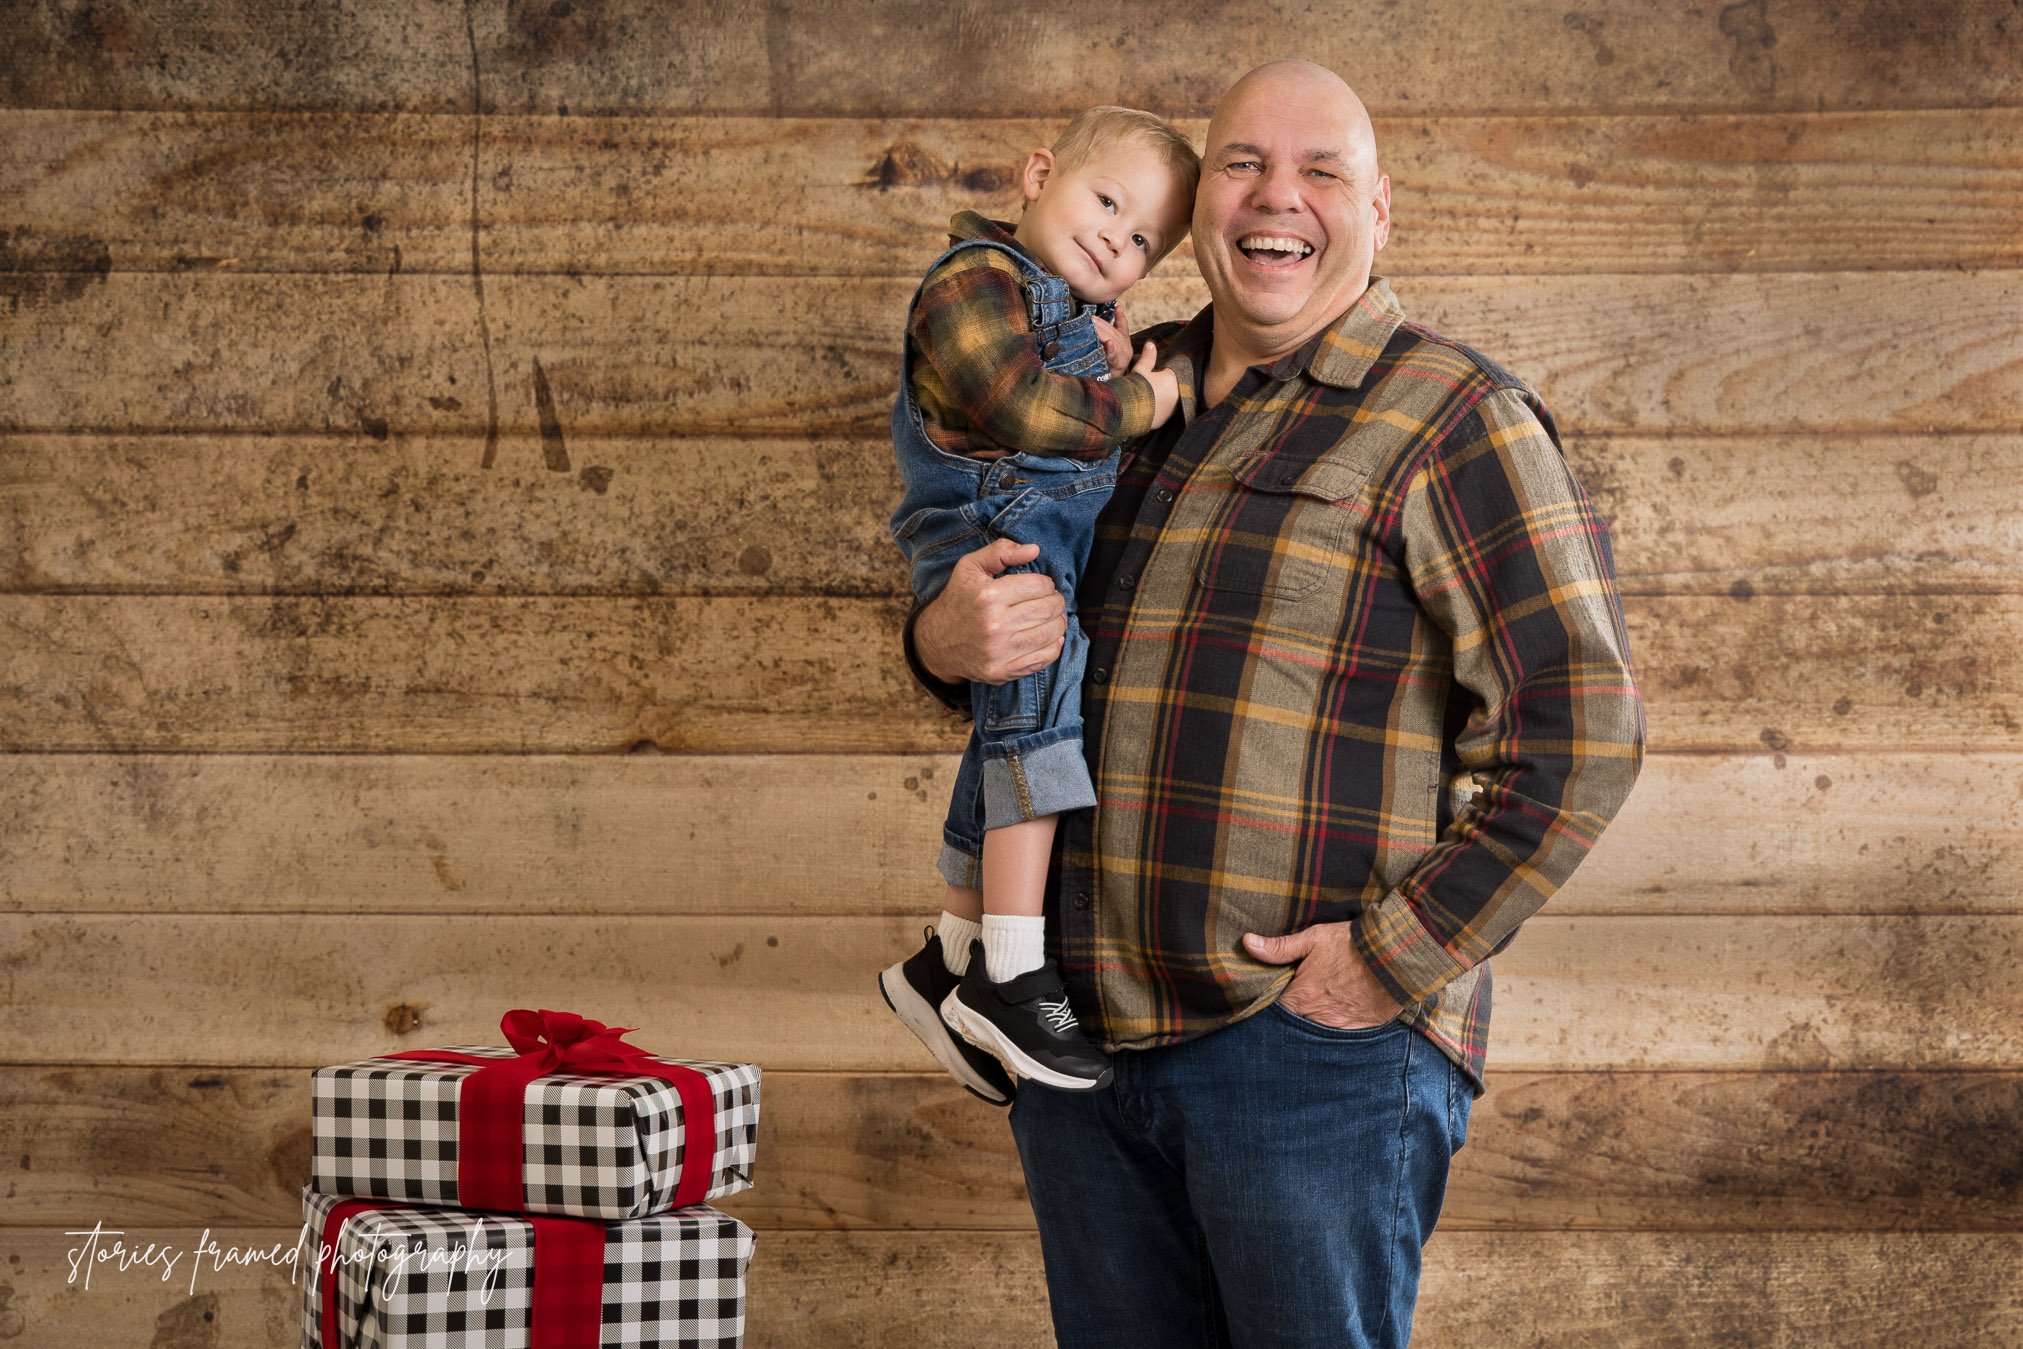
[1007, 426]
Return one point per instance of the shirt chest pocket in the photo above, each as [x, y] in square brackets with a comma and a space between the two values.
[1281, 532]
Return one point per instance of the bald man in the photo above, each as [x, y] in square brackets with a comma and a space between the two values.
[1359, 699]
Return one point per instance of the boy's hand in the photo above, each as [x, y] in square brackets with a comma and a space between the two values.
[1165, 384]
[1116, 338]
[1116, 346]
[987, 627]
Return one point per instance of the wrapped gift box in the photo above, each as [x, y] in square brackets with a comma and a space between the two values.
[569, 1121]
[393, 1276]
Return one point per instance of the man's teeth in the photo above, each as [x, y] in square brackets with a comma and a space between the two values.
[1266, 243]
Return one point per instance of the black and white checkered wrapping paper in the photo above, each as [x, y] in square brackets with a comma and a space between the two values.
[415, 1278]
[596, 1145]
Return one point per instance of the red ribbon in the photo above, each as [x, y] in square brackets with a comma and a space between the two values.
[492, 1102]
[567, 1281]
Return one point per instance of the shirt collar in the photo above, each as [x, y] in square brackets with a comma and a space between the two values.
[966, 225]
[1339, 355]
[1342, 353]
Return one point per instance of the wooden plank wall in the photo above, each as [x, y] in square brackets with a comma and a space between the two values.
[442, 569]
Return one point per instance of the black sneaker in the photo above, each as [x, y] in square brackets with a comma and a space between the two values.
[1027, 1024]
[914, 990]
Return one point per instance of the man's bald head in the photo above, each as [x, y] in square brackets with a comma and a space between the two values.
[1323, 95]
[1292, 207]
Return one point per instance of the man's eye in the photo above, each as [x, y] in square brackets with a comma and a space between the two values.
[1243, 164]
[1320, 173]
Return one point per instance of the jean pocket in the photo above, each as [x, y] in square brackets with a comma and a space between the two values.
[1321, 1030]
[1017, 704]
[1058, 464]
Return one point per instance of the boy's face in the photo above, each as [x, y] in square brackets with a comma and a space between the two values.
[1102, 223]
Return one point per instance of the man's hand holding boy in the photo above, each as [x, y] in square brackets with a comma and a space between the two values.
[990, 627]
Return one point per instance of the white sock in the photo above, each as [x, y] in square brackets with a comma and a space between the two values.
[956, 934]
[1012, 945]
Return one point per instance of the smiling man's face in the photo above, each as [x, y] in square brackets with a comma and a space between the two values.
[1291, 209]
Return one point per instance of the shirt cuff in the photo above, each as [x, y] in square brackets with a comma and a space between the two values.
[1136, 404]
[1405, 955]
[955, 697]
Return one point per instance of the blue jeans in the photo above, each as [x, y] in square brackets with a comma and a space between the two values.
[1268, 1184]
[1024, 758]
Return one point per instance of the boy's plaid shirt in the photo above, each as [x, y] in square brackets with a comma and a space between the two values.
[1356, 655]
[979, 378]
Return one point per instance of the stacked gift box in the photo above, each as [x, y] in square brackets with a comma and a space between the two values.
[552, 1195]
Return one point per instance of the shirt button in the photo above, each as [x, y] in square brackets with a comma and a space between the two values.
[1081, 899]
[1099, 675]
[1287, 479]
[1126, 581]
[1164, 495]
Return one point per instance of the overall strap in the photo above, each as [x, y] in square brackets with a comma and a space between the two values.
[1030, 272]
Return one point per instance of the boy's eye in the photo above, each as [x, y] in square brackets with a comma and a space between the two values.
[1139, 240]
[1108, 205]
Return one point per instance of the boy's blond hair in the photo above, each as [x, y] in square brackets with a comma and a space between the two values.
[1098, 127]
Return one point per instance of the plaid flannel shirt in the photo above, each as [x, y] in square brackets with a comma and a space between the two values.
[1355, 655]
[979, 379]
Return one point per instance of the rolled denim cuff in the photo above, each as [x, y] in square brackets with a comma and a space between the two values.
[1024, 781]
[958, 866]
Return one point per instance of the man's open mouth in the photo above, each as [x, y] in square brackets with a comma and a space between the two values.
[1274, 250]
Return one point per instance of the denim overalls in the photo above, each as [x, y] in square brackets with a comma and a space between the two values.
[1024, 757]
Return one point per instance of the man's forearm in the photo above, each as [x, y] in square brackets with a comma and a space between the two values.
[1495, 867]
[949, 693]
[1541, 646]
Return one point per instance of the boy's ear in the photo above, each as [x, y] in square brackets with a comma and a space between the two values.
[1038, 169]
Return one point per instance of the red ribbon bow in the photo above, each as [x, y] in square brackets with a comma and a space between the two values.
[566, 1040]
[492, 1102]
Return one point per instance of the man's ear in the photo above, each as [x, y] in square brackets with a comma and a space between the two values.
[1380, 201]
[1038, 169]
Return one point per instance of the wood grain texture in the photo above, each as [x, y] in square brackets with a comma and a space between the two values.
[1833, 514]
[546, 674]
[1706, 993]
[616, 834]
[1048, 58]
[1657, 1151]
[1886, 673]
[308, 514]
[775, 356]
[1493, 196]
[482, 674]
[818, 1290]
[421, 515]
[855, 835]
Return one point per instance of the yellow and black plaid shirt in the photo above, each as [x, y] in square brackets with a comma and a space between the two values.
[982, 386]
[1355, 655]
